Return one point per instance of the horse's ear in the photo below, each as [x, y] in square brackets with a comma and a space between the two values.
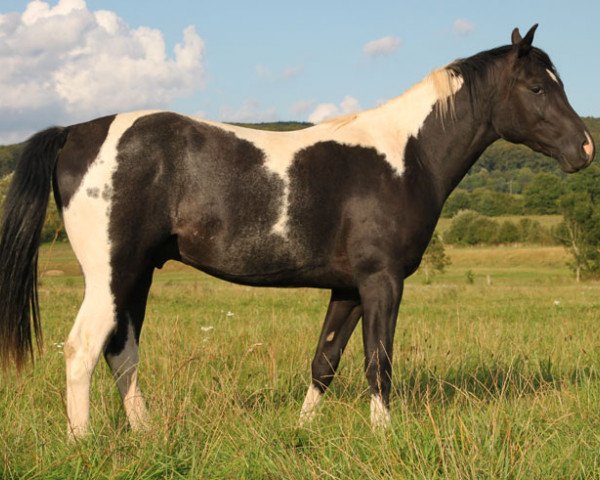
[516, 37]
[523, 45]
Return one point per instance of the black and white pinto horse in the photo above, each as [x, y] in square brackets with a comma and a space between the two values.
[347, 205]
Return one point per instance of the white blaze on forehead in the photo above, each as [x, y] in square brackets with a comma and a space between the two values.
[552, 75]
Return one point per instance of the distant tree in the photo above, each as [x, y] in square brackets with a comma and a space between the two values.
[587, 180]
[483, 201]
[491, 203]
[8, 158]
[4, 183]
[53, 226]
[580, 229]
[580, 233]
[542, 194]
[487, 202]
[521, 178]
[434, 259]
[471, 228]
[508, 233]
[458, 200]
[531, 231]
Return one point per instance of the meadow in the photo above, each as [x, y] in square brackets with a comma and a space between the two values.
[496, 369]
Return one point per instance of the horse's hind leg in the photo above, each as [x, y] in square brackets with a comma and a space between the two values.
[93, 325]
[343, 313]
[121, 351]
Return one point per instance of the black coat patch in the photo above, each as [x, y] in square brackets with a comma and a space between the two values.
[81, 149]
[208, 200]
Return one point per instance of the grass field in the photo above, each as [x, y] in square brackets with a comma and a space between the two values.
[498, 379]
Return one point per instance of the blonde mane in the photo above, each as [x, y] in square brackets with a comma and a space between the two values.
[446, 82]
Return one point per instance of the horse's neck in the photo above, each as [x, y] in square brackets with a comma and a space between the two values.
[448, 143]
[448, 139]
[452, 147]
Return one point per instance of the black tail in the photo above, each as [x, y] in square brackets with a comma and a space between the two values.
[22, 220]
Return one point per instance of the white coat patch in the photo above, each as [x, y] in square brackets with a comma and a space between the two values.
[386, 128]
[88, 214]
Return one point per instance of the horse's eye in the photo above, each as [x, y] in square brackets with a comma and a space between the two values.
[537, 90]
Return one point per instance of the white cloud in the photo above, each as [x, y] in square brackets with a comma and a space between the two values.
[325, 111]
[292, 72]
[462, 26]
[265, 73]
[249, 112]
[349, 105]
[301, 108]
[382, 46]
[67, 63]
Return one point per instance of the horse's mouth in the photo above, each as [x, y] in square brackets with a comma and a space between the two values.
[566, 164]
[569, 166]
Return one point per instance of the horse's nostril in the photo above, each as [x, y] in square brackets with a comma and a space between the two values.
[588, 146]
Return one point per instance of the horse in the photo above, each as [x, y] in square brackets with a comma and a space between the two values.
[347, 205]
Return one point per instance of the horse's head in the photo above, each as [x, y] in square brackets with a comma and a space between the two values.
[532, 107]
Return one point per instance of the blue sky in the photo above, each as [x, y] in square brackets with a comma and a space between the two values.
[72, 60]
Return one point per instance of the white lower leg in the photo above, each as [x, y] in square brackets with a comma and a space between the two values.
[82, 350]
[135, 406]
[78, 394]
[309, 407]
[380, 414]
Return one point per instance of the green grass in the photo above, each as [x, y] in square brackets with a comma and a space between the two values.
[496, 381]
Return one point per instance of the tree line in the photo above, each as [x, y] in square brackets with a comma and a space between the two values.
[576, 198]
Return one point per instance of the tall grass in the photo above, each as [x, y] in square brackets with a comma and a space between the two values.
[491, 381]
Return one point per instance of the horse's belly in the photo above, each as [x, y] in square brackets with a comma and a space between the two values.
[268, 259]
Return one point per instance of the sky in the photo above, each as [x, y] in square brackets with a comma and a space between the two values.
[68, 61]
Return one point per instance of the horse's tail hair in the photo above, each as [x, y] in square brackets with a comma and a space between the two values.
[23, 217]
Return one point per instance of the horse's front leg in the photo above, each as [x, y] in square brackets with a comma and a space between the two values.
[380, 295]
